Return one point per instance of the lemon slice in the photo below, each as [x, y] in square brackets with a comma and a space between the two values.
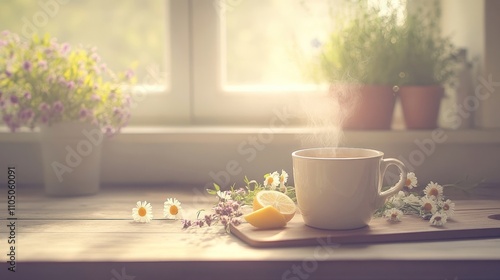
[266, 218]
[276, 199]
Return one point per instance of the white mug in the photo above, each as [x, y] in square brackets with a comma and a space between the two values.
[340, 188]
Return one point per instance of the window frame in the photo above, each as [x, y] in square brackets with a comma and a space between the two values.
[215, 104]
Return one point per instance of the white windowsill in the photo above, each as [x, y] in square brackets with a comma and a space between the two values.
[204, 134]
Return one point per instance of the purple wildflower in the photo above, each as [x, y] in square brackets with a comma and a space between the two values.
[14, 99]
[44, 118]
[26, 114]
[236, 221]
[7, 118]
[70, 85]
[186, 224]
[65, 48]
[8, 73]
[27, 66]
[117, 111]
[84, 113]
[2, 103]
[109, 130]
[44, 107]
[58, 107]
[27, 95]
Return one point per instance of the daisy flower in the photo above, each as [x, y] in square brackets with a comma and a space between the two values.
[428, 205]
[447, 207]
[411, 181]
[438, 219]
[433, 190]
[397, 200]
[393, 215]
[143, 212]
[224, 195]
[172, 208]
[412, 199]
[272, 180]
[283, 179]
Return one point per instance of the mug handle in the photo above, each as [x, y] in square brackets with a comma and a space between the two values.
[386, 162]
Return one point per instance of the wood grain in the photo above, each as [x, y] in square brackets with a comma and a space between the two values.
[88, 237]
[464, 224]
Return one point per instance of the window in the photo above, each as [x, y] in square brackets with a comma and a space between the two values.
[137, 34]
[197, 61]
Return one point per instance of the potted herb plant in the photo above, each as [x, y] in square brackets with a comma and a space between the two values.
[358, 61]
[72, 97]
[427, 62]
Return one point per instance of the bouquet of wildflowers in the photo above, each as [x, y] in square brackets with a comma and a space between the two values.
[432, 205]
[228, 208]
[43, 82]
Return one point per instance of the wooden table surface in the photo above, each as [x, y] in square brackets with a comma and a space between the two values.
[94, 237]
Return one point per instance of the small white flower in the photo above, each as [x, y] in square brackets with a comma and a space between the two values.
[448, 207]
[428, 205]
[272, 180]
[172, 208]
[438, 219]
[224, 195]
[283, 179]
[397, 201]
[412, 200]
[411, 181]
[433, 190]
[393, 215]
[143, 212]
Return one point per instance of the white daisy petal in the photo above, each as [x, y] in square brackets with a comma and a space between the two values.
[143, 212]
[172, 209]
[393, 215]
[438, 219]
[434, 190]
[411, 181]
[272, 180]
[428, 205]
[448, 207]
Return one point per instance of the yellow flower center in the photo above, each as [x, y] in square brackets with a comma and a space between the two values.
[408, 182]
[446, 207]
[427, 207]
[282, 179]
[394, 216]
[142, 212]
[174, 210]
[270, 180]
[433, 192]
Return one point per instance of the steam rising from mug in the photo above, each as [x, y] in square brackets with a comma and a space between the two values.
[325, 115]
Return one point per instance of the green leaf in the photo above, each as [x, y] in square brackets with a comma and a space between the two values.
[217, 188]
[210, 191]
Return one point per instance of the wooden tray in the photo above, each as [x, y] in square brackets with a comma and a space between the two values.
[467, 223]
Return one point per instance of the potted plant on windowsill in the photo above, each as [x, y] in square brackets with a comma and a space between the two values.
[358, 61]
[427, 62]
[72, 97]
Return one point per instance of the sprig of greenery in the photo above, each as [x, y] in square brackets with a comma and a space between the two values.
[246, 194]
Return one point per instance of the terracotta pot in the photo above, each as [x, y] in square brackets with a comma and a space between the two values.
[420, 105]
[367, 107]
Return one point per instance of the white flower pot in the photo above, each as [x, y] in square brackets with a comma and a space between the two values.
[71, 157]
